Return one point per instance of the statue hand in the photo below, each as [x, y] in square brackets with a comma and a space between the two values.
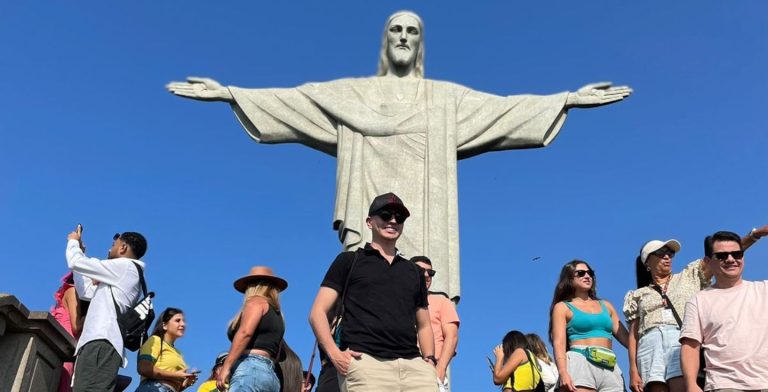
[201, 89]
[597, 94]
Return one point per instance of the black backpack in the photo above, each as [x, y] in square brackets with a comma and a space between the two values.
[135, 322]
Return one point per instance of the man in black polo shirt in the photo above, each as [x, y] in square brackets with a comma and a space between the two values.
[385, 311]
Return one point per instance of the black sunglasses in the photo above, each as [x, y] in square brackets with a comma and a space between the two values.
[581, 273]
[723, 256]
[386, 216]
[664, 252]
[116, 237]
[431, 273]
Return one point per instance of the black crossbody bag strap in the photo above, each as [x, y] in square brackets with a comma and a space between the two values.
[669, 305]
[340, 305]
[141, 281]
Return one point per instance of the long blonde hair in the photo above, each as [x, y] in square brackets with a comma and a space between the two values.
[257, 288]
[536, 345]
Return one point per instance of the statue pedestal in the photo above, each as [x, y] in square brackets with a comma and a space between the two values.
[33, 347]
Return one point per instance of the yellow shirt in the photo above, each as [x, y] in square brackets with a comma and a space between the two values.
[168, 359]
[526, 378]
[208, 386]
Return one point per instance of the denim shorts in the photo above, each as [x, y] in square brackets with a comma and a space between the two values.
[658, 354]
[153, 386]
[253, 373]
[588, 375]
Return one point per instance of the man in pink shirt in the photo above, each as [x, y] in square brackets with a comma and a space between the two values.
[445, 323]
[727, 320]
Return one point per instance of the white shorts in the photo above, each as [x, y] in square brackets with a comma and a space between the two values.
[658, 354]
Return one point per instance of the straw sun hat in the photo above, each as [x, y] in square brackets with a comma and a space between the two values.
[261, 273]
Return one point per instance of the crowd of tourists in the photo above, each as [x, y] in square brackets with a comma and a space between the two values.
[379, 328]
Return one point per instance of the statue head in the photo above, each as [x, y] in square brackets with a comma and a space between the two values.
[402, 45]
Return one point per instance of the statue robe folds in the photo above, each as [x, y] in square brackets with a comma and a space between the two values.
[404, 136]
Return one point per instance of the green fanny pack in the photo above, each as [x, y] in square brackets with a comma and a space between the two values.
[599, 356]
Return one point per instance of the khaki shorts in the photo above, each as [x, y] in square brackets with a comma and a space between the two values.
[371, 374]
[587, 375]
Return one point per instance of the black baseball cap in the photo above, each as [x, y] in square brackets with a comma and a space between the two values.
[388, 201]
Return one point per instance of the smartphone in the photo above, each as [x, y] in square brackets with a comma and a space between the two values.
[490, 363]
[193, 371]
[79, 228]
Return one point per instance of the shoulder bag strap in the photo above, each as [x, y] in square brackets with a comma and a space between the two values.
[340, 305]
[141, 281]
[141, 277]
[669, 305]
[534, 366]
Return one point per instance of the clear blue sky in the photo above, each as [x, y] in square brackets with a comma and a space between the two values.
[90, 135]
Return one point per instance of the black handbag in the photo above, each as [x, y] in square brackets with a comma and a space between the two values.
[135, 322]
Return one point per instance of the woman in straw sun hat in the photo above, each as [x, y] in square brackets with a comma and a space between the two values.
[256, 333]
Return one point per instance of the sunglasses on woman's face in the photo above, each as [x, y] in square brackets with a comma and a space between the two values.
[582, 273]
[386, 216]
[664, 252]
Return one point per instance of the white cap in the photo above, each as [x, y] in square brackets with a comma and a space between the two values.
[654, 245]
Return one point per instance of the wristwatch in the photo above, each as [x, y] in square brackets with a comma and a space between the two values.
[431, 358]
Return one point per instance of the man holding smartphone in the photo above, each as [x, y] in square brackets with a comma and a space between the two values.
[100, 352]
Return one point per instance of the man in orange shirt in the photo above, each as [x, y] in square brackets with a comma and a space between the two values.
[445, 323]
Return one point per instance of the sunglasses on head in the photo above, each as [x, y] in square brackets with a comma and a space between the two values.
[116, 237]
[723, 256]
[581, 273]
[387, 215]
[664, 252]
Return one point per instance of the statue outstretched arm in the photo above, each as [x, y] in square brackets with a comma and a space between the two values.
[201, 89]
[597, 94]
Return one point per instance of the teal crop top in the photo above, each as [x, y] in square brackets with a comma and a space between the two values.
[585, 325]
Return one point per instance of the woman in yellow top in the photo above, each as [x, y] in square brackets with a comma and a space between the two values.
[161, 366]
[515, 366]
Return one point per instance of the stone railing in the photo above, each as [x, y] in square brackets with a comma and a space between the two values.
[33, 347]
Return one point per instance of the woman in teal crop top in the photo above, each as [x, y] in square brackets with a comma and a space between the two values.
[580, 320]
[256, 333]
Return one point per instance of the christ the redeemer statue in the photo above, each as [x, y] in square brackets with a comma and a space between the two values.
[398, 132]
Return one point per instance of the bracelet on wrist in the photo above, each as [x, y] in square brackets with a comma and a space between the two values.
[431, 358]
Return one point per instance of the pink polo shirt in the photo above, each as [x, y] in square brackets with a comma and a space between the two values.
[441, 311]
[732, 326]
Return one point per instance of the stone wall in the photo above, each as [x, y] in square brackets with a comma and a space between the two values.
[32, 348]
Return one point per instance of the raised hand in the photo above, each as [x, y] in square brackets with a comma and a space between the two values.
[201, 89]
[597, 94]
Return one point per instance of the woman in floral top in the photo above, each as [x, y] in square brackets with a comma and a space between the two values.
[654, 330]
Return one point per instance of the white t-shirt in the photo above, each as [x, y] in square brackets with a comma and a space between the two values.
[732, 326]
[549, 374]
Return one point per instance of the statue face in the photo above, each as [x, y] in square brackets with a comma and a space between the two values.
[403, 40]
